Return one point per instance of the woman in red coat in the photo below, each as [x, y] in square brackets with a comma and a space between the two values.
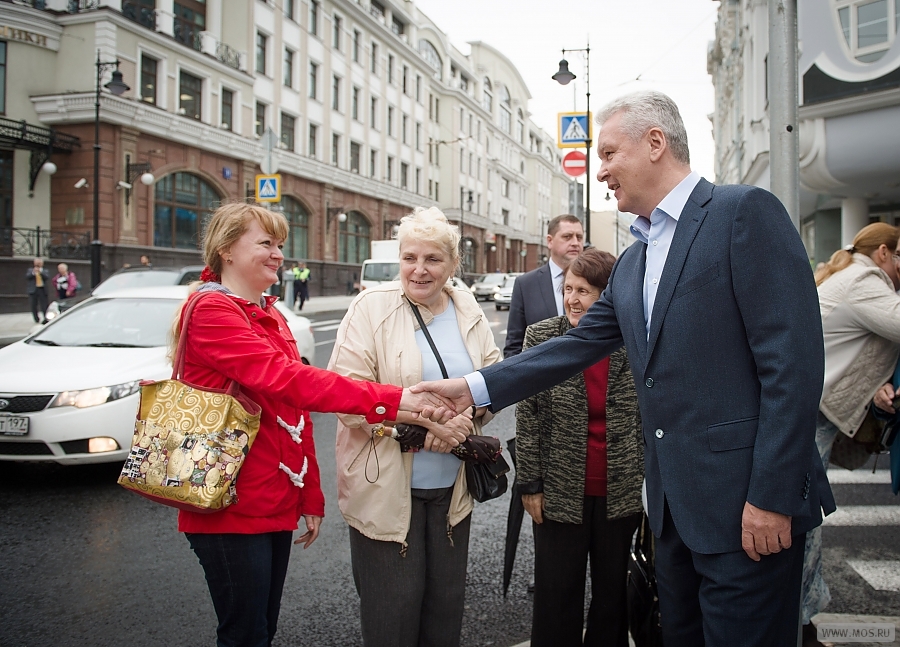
[235, 333]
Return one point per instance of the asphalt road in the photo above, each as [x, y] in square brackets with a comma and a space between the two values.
[83, 562]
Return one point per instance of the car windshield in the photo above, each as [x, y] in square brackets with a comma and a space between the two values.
[381, 271]
[493, 279]
[116, 323]
[508, 283]
[142, 279]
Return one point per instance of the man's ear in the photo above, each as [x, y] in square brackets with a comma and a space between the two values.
[658, 144]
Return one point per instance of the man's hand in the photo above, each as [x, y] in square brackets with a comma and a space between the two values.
[884, 398]
[427, 403]
[534, 506]
[312, 531]
[764, 532]
[454, 391]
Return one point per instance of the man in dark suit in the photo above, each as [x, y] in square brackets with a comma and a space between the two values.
[36, 281]
[537, 295]
[716, 305]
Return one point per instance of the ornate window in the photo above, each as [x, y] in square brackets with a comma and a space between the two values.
[353, 239]
[487, 95]
[505, 110]
[297, 243]
[431, 56]
[869, 27]
[520, 128]
[184, 202]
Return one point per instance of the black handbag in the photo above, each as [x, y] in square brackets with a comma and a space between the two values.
[642, 596]
[485, 480]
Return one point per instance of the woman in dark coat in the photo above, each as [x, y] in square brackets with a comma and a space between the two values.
[580, 469]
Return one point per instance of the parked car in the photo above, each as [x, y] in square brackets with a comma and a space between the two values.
[131, 277]
[483, 289]
[72, 395]
[503, 293]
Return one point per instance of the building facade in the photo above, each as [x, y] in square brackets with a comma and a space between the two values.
[364, 108]
[849, 71]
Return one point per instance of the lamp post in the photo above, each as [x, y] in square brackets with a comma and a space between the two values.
[116, 86]
[563, 76]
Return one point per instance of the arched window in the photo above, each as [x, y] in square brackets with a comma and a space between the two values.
[505, 110]
[431, 56]
[487, 96]
[184, 203]
[520, 128]
[297, 243]
[353, 242]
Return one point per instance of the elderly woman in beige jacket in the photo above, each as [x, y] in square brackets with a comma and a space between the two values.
[409, 513]
[861, 324]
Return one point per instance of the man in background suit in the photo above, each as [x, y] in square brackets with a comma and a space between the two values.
[717, 307]
[537, 295]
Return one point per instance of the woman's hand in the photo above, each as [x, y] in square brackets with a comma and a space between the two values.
[312, 531]
[442, 438]
[884, 398]
[534, 506]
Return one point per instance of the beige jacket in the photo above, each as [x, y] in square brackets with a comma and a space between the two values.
[376, 342]
[861, 321]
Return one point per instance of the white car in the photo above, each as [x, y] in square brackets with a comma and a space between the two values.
[69, 393]
[503, 293]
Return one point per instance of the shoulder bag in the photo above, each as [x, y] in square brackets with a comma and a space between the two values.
[189, 442]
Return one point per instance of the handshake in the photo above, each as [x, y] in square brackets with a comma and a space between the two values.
[444, 407]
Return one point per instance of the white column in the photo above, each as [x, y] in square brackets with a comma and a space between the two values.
[854, 216]
[214, 18]
[165, 17]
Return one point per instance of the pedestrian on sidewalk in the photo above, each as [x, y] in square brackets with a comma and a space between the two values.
[410, 512]
[301, 284]
[37, 280]
[861, 322]
[65, 282]
[580, 465]
[235, 335]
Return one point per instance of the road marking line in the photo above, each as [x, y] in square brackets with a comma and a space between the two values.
[496, 323]
[881, 575]
[856, 477]
[326, 328]
[325, 322]
[322, 343]
[864, 515]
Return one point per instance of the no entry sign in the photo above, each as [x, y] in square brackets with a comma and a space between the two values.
[574, 163]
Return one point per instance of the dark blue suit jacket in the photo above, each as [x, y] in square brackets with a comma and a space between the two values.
[532, 301]
[730, 379]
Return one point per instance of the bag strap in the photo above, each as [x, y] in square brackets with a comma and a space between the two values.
[427, 334]
[178, 364]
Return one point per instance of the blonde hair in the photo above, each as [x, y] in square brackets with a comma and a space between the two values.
[868, 241]
[430, 225]
[228, 223]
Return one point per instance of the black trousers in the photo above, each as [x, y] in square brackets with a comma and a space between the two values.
[38, 300]
[414, 600]
[301, 292]
[727, 599]
[561, 552]
[245, 574]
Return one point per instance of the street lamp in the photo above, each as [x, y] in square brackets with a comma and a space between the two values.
[330, 214]
[133, 172]
[563, 76]
[117, 87]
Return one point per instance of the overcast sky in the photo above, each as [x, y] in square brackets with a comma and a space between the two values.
[635, 44]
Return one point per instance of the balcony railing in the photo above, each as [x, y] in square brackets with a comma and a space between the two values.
[34, 4]
[78, 6]
[228, 55]
[188, 34]
[139, 12]
[45, 243]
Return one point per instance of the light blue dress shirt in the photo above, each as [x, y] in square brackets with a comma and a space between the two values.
[432, 470]
[556, 276]
[656, 232]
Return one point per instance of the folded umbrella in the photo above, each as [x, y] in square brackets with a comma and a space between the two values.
[513, 523]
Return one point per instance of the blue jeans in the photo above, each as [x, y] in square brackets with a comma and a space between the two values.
[815, 593]
[245, 574]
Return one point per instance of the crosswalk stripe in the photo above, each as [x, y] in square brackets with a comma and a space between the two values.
[881, 575]
[859, 477]
[325, 322]
[326, 328]
[864, 515]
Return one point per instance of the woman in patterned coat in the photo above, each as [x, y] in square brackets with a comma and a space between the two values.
[580, 469]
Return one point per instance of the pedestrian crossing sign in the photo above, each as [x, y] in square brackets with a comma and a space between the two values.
[268, 188]
[574, 129]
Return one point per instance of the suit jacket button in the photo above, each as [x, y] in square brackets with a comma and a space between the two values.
[649, 382]
[660, 433]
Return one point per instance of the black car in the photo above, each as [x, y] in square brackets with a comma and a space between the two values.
[132, 277]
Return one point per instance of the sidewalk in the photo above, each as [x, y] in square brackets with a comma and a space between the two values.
[15, 326]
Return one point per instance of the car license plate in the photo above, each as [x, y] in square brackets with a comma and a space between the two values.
[13, 425]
